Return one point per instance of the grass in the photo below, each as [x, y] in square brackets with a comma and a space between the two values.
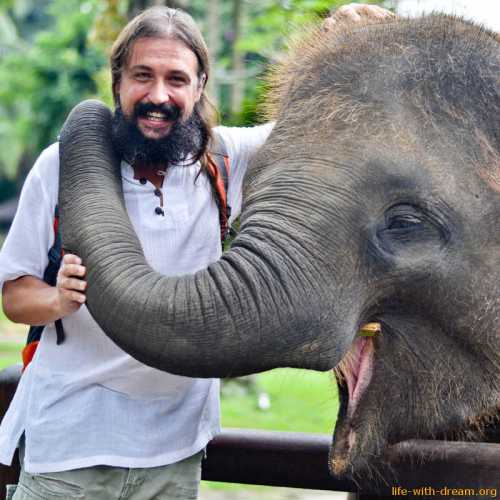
[301, 401]
[10, 351]
[10, 354]
[3, 319]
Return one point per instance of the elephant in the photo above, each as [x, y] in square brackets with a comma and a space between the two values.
[376, 198]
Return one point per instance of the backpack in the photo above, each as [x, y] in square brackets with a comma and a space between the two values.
[218, 171]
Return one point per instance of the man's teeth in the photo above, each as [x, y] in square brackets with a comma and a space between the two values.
[156, 116]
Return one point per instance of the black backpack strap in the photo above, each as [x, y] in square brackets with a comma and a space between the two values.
[55, 254]
[50, 277]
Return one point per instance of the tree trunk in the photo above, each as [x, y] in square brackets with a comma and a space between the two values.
[136, 6]
[213, 41]
[238, 89]
[180, 4]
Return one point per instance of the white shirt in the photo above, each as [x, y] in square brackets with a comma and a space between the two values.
[86, 402]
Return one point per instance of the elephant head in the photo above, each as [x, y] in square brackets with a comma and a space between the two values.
[375, 199]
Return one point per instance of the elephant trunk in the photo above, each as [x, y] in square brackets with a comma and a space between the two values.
[251, 311]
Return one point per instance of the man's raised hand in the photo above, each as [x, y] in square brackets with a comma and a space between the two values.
[71, 285]
[354, 12]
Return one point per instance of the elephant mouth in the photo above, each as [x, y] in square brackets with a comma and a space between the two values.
[353, 374]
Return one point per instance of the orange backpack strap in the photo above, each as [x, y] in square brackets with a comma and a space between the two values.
[219, 170]
[28, 352]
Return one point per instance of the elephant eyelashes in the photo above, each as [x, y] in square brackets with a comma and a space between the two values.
[406, 225]
[404, 222]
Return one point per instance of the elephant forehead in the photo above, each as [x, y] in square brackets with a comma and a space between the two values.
[439, 67]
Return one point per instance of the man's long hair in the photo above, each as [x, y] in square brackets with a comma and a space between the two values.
[165, 22]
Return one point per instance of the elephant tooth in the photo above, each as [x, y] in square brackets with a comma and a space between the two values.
[370, 329]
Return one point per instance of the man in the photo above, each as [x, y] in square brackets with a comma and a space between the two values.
[90, 421]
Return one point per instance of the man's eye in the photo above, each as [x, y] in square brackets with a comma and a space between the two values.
[178, 80]
[142, 76]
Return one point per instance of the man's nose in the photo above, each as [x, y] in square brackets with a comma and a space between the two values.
[159, 93]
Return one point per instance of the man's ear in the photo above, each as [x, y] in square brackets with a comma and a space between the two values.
[201, 85]
[116, 93]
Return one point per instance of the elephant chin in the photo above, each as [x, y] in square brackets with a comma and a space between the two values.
[251, 311]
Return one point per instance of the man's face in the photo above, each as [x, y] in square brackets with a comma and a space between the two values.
[160, 72]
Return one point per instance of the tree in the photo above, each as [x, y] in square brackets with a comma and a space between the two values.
[41, 81]
[238, 62]
[136, 6]
[213, 35]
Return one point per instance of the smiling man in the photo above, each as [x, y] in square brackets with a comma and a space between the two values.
[90, 421]
[157, 92]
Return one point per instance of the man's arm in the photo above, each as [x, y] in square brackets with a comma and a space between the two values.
[31, 301]
[24, 255]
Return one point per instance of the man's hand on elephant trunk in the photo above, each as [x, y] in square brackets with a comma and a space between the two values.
[355, 12]
[70, 285]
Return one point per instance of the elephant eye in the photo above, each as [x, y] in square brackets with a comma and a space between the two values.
[406, 226]
[403, 217]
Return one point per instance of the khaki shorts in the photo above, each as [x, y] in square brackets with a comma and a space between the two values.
[170, 482]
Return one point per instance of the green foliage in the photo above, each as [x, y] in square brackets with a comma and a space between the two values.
[8, 31]
[43, 81]
[271, 23]
[250, 113]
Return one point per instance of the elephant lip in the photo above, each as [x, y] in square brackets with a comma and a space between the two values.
[353, 374]
[355, 371]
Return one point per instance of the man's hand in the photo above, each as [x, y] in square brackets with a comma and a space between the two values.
[354, 12]
[31, 301]
[70, 285]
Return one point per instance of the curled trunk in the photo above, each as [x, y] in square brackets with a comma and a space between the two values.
[251, 311]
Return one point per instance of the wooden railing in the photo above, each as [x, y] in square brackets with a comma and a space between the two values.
[300, 460]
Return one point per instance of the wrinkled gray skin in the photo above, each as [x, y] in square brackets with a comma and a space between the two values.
[376, 198]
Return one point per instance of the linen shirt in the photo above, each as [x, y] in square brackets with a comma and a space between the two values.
[86, 402]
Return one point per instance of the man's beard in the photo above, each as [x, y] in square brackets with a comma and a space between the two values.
[186, 140]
